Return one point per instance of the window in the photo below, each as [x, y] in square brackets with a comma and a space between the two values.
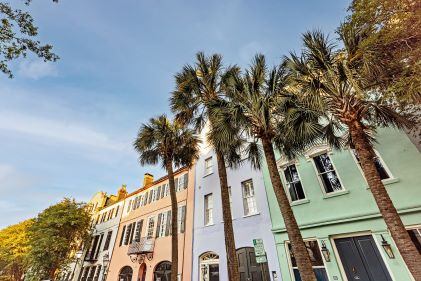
[98, 272]
[316, 261]
[150, 196]
[128, 232]
[158, 193]
[181, 182]
[163, 191]
[249, 199]
[181, 219]
[139, 226]
[209, 266]
[327, 173]
[167, 190]
[161, 224]
[381, 170]
[151, 225]
[293, 183]
[129, 206]
[146, 198]
[107, 240]
[208, 166]
[208, 209]
[230, 198]
[116, 211]
[416, 237]
[91, 274]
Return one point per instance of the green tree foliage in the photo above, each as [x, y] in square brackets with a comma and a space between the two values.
[56, 232]
[14, 250]
[391, 45]
[18, 37]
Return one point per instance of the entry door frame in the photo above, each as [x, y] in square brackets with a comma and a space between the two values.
[356, 234]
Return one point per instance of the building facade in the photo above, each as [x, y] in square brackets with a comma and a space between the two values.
[346, 237]
[251, 220]
[96, 256]
[143, 248]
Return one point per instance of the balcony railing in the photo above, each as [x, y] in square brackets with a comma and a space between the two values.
[144, 246]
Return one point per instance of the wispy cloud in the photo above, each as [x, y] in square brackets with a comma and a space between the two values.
[37, 69]
[58, 130]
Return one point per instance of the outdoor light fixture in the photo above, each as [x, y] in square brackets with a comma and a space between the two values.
[387, 248]
[325, 252]
[105, 260]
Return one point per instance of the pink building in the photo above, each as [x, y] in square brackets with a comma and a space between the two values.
[143, 247]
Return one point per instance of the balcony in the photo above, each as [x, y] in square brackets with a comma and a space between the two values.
[144, 246]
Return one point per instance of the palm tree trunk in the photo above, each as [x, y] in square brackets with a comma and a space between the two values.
[232, 262]
[298, 246]
[391, 217]
[174, 230]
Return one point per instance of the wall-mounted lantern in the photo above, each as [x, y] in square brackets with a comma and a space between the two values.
[387, 248]
[325, 252]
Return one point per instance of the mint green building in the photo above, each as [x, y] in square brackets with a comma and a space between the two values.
[346, 237]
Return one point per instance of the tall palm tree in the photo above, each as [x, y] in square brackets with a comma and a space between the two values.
[173, 145]
[332, 80]
[199, 89]
[259, 102]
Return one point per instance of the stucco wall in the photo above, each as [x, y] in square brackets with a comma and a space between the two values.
[211, 238]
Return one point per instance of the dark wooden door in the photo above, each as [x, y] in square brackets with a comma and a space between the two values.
[248, 268]
[361, 259]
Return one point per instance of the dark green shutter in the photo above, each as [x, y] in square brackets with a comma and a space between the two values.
[122, 236]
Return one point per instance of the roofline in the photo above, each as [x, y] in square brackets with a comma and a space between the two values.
[161, 179]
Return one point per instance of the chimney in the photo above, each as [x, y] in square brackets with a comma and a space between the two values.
[122, 192]
[147, 179]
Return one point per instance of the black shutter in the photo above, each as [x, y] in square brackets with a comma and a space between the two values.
[97, 250]
[128, 232]
[132, 232]
[122, 236]
[107, 241]
[158, 225]
[183, 219]
[168, 227]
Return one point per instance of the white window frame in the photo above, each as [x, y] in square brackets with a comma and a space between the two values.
[291, 268]
[321, 184]
[282, 168]
[167, 190]
[391, 177]
[230, 199]
[163, 224]
[208, 168]
[246, 199]
[208, 220]
[207, 262]
[148, 228]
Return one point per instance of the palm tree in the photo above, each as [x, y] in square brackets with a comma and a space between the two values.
[332, 80]
[199, 89]
[172, 144]
[259, 103]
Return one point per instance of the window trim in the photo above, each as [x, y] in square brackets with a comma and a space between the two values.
[256, 212]
[390, 180]
[205, 170]
[289, 261]
[205, 208]
[281, 169]
[322, 187]
[153, 228]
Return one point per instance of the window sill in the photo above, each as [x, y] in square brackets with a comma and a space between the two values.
[207, 225]
[388, 181]
[300, 202]
[334, 194]
[251, 215]
[208, 175]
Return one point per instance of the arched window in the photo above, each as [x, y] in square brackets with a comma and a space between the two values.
[125, 274]
[209, 267]
[163, 271]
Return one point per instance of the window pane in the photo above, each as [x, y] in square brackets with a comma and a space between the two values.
[294, 186]
[249, 200]
[380, 169]
[323, 163]
[331, 182]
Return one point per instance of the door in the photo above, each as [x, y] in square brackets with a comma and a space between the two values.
[361, 259]
[248, 268]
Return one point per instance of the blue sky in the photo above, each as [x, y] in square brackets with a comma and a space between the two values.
[66, 128]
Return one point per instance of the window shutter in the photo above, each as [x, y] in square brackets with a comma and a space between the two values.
[128, 232]
[107, 241]
[176, 184]
[116, 211]
[146, 198]
[132, 232]
[183, 219]
[158, 193]
[122, 236]
[186, 180]
[97, 250]
[168, 227]
[158, 225]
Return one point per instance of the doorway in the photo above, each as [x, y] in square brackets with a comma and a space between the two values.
[248, 268]
[163, 271]
[361, 259]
